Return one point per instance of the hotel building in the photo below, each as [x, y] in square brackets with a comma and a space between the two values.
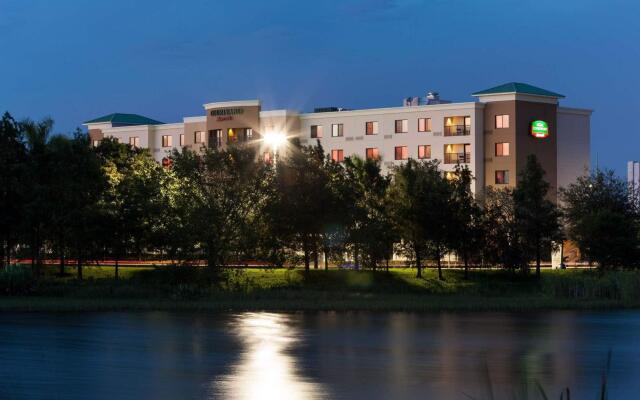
[492, 135]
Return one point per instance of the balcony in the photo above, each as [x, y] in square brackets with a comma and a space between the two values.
[457, 158]
[457, 130]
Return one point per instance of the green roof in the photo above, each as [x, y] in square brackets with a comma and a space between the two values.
[124, 119]
[516, 87]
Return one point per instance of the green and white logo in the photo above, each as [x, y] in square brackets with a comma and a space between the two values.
[539, 129]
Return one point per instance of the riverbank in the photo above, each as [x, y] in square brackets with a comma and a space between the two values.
[334, 290]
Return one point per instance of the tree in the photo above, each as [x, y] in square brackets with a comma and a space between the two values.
[129, 207]
[12, 179]
[602, 219]
[466, 231]
[226, 187]
[503, 243]
[370, 230]
[537, 217]
[420, 200]
[302, 200]
[37, 194]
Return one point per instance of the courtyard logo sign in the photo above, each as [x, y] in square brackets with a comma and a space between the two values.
[539, 129]
[227, 111]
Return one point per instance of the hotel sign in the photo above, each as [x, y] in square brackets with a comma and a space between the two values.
[226, 114]
[539, 129]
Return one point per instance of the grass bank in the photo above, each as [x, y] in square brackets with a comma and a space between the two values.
[170, 288]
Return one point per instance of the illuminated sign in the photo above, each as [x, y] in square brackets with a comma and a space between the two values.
[539, 129]
[227, 111]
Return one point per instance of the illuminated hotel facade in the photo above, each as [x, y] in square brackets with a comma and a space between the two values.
[492, 135]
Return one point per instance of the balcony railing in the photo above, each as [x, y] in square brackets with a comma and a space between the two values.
[455, 158]
[457, 130]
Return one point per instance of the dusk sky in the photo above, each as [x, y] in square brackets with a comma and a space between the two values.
[74, 60]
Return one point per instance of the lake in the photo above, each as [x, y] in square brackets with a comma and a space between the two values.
[171, 355]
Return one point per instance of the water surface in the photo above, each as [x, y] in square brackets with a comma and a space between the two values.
[162, 355]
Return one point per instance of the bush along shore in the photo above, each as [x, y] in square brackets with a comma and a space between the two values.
[191, 288]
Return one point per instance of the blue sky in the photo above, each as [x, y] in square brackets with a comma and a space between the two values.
[75, 60]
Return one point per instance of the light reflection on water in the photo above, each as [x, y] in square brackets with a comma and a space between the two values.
[266, 369]
[179, 355]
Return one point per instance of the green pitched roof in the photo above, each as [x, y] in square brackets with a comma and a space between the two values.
[516, 87]
[124, 119]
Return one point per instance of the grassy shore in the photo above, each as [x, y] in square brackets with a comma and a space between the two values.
[292, 290]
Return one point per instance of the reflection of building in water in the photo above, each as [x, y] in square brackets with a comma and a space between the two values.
[265, 370]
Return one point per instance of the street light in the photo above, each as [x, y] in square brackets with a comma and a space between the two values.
[275, 139]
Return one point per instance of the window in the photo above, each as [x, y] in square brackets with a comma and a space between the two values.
[424, 151]
[371, 128]
[402, 126]
[167, 141]
[231, 135]
[337, 130]
[215, 138]
[134, 141]
[502, 149]
[502, 121]
[502, 177]
[316, 131]
[181, 139]
[198, 137]
[424, 124]
[267, 157]
[402, 152]
[457, 126]
[337, 155]
[372, 153]
[248, 134]
[96, 143]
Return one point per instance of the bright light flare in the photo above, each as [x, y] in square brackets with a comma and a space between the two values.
[275, 139]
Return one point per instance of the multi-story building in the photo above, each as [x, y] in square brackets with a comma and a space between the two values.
[492, 135]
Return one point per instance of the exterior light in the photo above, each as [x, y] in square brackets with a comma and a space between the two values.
[275, 139]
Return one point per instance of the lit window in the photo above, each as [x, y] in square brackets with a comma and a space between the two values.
[337, 130]
[167, 141]
[198, 137]
[502, 149]
[96, 143]
[248, 134]
[267, 157]
[181, 139]
[424, 151]
[502, 121]
[402, 152]
[231, 135]
[424, 124]
[337, 155]
[402, 126]
[134, 141]
[372, 153]
[371, 128]
[502, 177]
[316, 131]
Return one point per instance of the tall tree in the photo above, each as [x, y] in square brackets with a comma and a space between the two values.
[226, 187]
[302, 199]
[12, 178]
[420, 199]
[370, 228]
[602, 219]
[466, 231]
[537, 217]
[37, 195]
[129, 205]
[502, 242]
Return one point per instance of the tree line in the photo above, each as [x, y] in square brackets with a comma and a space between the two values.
[62, 199]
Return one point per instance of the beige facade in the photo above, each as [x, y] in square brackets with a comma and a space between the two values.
[492, 136]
